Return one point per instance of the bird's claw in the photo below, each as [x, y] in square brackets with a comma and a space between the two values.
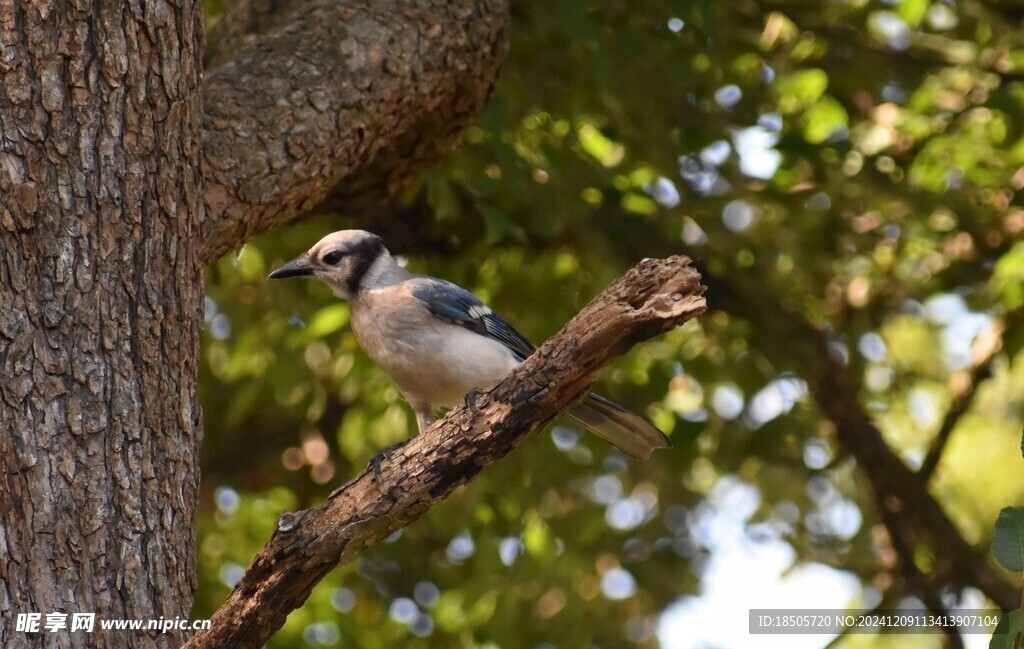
[384, 454]
[470, 400]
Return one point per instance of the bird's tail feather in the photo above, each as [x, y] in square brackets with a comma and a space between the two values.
[625, 430]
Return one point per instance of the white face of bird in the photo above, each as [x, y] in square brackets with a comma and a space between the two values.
[341, 260]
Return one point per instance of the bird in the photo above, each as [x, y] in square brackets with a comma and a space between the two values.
[437, 341]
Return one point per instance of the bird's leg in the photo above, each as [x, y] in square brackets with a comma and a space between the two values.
[424, 418]
[424, 415]
[384, 454]
[470, 400]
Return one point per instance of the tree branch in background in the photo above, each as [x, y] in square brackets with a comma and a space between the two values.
[348, 99]
[962, 402]
[984, 350]
[653, 297]
[916, 582]
[913, 517]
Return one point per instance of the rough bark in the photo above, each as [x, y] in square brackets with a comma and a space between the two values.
[653, 297]
[240, 25]
[100, 305]
[348, 99]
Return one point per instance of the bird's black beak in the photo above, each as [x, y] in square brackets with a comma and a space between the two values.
[298, 267]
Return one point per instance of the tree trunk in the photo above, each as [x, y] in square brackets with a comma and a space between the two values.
[100, 310]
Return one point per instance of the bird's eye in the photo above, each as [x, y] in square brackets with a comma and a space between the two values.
[332, 258]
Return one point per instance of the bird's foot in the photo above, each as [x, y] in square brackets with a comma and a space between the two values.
[470, 400]
[384, 454]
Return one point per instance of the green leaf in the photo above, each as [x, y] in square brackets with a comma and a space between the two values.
[327, 320]
[606, 151]
[483, 608]
[250, 263]
[449, 611]
[1008, 541]
[822, 119]
[801, 89]
[913, 11]
[1008, 278]
[637, 204]
[1010, 632]
[537, 538]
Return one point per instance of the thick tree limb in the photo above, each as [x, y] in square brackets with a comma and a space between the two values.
[240, 25]
[350, 98]
[653, 297]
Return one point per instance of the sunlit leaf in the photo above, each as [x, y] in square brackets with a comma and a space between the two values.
[823, 119]
[801, 89]
[327, 320]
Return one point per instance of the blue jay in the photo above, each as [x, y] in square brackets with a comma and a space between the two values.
[436, 340]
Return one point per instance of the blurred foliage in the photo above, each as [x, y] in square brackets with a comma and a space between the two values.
[861, 161]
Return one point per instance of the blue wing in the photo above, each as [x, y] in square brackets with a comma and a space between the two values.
[627, 431]
[457, 305]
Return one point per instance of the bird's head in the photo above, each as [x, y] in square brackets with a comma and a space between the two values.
[346, 261]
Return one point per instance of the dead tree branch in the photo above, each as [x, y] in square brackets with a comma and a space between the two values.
[653, 297]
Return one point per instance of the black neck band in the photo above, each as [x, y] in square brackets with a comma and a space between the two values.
[363, 255]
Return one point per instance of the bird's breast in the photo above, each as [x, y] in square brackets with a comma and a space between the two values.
[430, 360]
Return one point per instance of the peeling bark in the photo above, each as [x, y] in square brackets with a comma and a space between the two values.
[100, 308]
[655, 296]
[349, 99]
